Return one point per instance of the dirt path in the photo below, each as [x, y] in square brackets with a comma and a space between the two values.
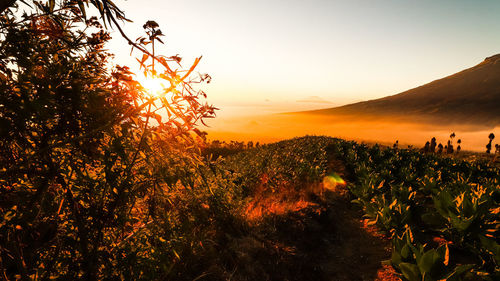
[322, 237]
[356, 250]
[327, 241]
[315, 235]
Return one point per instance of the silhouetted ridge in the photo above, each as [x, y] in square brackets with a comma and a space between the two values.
[492, 59]
[469, 96]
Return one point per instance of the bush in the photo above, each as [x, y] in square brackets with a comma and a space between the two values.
[87, 165]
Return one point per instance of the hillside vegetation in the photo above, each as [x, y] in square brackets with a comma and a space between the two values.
[442, 214]
[283, 211]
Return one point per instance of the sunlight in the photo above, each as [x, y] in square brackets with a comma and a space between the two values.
[331, 181]
[153, 85]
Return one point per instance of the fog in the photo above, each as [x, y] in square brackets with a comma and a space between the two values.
[275, 127]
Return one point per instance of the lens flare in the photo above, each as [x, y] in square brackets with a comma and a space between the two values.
[331, 181]
[153, 85]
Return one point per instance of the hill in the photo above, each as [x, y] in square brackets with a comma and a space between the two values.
[471, 96]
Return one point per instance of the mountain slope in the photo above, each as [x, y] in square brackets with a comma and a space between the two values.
[470, 96]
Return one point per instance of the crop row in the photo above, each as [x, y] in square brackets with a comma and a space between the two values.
[442, 213]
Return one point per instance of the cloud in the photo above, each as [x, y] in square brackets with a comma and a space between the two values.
[314, 99]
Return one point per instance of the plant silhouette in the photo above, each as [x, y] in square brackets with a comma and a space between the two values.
[432, 148]
[440, 149]
[427, 147]
[488, 146]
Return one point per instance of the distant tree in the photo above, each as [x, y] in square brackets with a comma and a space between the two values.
[250, 144]
[216, 143]
[440, 149]
[488, 146]
[433, 145]
[497, 153]
[449, 147]
[459, 142]
[396, 144]
[426, 147]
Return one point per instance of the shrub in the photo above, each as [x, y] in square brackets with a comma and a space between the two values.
[85, 173]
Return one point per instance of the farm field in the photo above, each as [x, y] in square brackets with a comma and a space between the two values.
[441, 215]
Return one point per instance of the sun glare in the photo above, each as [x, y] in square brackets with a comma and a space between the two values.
[333, 180]
[153, 85]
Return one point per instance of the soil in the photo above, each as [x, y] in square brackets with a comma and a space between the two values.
[315, 235]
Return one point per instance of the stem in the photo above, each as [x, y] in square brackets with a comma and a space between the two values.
[128, 173]
[153, 42]
[140, 142]
[140, 48]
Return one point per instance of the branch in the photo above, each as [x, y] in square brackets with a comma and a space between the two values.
[141, 48]
[4, 5]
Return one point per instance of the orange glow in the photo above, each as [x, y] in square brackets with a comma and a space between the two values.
[333, 180]
[153, 85]
[275, 127]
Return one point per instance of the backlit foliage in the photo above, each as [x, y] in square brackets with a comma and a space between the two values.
[90, 163]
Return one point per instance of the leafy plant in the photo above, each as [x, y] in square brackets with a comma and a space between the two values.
[420, 196]
[87, 177]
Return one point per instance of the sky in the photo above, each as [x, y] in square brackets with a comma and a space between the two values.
[279, 56]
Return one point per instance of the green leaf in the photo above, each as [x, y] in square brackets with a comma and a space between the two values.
[461, 223]
[410, 271]
[405, 252]
[396, 258]
[491, 246]
[428, 261]
[416, 251]
[459, 272]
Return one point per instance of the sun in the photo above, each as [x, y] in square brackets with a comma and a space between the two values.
[153, 85]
